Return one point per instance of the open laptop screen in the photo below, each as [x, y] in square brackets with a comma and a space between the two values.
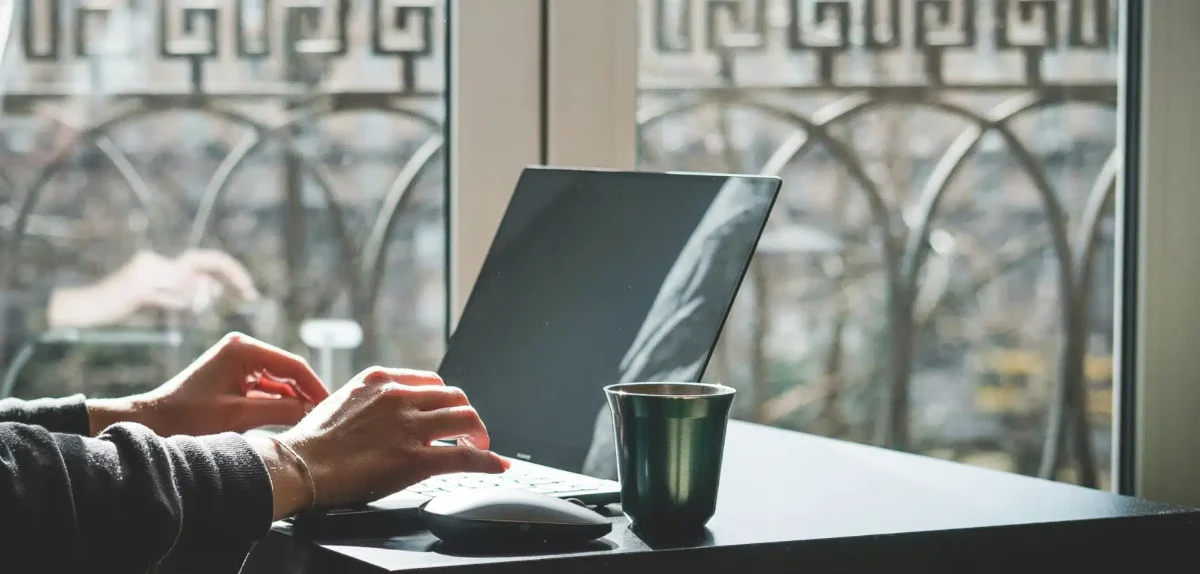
[593, 278]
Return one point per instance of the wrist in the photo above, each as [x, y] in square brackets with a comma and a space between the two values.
[291, 487]
[103, 413]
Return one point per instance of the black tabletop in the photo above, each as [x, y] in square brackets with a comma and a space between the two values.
[792, 501]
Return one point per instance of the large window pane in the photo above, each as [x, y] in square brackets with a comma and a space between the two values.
[304, 138]
[937, 276]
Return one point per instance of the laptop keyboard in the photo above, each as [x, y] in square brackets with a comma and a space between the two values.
[516, 479]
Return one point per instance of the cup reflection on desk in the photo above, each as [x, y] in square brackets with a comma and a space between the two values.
[670, 440]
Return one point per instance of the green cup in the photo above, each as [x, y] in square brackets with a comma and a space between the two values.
[670, 438]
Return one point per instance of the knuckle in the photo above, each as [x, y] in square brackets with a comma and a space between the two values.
[395, 393]
[375, 375]
[457, 395]
[431, 376]
[369, 392]
[388, 389]
[466, 414]
[428, 378]
[233, 338]
[467, 411]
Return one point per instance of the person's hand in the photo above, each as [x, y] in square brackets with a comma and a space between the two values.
[217, 393]
[150, 281]
[373, 437]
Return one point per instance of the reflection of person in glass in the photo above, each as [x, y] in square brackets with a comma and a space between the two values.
[676, 337]
[147, 281]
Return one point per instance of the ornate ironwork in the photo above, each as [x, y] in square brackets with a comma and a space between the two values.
[825, 33]
[831, 37]
[299, 36]
[204, 32]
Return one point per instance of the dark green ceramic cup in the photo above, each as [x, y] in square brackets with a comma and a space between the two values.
[670, 438]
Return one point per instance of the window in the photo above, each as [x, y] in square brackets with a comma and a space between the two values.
[1129, 86]
[939, 274]
[872, 312]
[314, 142]
[949, 168]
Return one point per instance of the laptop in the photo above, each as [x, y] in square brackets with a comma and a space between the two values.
[593, 277]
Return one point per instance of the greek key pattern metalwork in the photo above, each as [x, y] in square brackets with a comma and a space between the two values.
[823, 30]
[205, 31]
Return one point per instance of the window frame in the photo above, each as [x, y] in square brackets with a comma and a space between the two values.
[591, 83]
[495, 110]
[591, 88]
[1158, 358]
[525, 78]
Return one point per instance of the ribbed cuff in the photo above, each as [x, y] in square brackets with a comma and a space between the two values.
[67, 415]
[245, 486]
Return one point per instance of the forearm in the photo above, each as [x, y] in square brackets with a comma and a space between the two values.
[80, 307]
[125, 500]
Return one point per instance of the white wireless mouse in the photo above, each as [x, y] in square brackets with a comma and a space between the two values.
[495, 516]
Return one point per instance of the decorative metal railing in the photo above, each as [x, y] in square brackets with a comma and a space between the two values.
[837, 85]
[265, 83]
[949, 171]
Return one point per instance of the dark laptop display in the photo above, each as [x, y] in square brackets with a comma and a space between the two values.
[595, 278]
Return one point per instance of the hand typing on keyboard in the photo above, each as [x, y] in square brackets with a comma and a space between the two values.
[373, 437]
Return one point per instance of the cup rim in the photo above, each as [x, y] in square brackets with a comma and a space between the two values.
[720, 390]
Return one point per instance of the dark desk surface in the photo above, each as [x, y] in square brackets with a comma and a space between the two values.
[791, 501]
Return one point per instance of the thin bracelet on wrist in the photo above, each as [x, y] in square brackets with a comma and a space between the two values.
[308, 477]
